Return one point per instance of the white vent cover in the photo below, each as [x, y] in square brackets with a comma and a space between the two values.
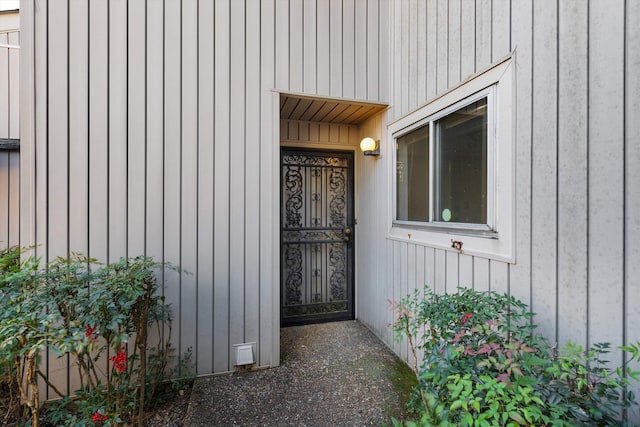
[245, 354]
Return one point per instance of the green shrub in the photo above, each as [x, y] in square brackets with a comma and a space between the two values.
[484, 365]
[104, 317]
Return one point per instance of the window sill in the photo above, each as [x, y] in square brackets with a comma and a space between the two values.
[480, 244]
[472, 230]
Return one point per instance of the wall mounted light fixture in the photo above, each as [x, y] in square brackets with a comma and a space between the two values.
[370, 147]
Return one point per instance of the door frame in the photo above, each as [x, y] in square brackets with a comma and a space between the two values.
[351, 223]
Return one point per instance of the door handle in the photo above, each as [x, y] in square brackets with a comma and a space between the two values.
[347, 234]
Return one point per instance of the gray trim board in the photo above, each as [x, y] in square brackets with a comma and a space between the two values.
[7, 144]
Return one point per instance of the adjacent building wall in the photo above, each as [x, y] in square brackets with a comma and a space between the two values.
[9, 129]
[9, 198]
[577, 184]
[152, 127]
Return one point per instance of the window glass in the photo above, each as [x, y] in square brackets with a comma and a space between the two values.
[461, 165]
[412, 176]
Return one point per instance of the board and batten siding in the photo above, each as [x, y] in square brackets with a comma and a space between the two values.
[9, 129]
[9, 198]
[577, 182]
[152, 127]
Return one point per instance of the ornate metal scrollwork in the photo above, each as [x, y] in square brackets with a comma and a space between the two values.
[300, 160]
[338, 186]
[309, 235]
[338, 279]
[293, 281]
[293, 194]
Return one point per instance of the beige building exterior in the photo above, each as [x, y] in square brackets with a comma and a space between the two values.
[156, 127]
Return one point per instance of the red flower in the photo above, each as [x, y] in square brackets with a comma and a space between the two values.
[465, 318]
[89, 331]
[119, 361]
[97, 417]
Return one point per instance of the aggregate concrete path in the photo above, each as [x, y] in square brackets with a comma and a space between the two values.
[331, 374]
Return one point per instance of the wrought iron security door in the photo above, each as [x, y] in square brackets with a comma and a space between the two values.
[316, 236]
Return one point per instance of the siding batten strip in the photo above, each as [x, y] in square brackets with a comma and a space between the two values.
[632, 179]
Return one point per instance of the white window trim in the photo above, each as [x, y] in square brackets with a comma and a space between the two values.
[499, 83]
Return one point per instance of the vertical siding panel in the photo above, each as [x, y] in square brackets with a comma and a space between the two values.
[383, 72]
[314, 132]
[455, 47]
[172, 158]
[221, 190]
[421, 52]
[543, 209]
[396, 59]
[98, 131]
[522, 37]
[420, 279]
[14, 85]
[269, 347]
[292, 130]
[403, 58]
[467, 38]
[442, 37]
[78, 132]
[572, 171]
[14, 199]
[58, 151]
[481, 274]
[388, 292]
[58, 132]
[155, 130]
[440, 268]
[483, 34]
[136, 127]
[606, 172]
[206, 96]
[451, 265]
[322, 39]
[406, 266]
[136, 130]
[465, 263]
[432, 48]
[343, 135]
[41, 119]
[117, 129]
[252, 186]
[4, 88]
[361, 41]
[310, 52]
[500, 29]
[377, 49]
[499, 276]
[334, 134]
[296, 40]
[282, 44]
[632, 180]
[420, 282]
[429, 267]
[303, 131]
[335, 47]
[78, 121]
[4, 199]
[348, 49]
[412, 53]
[27, 107]
[189, 179]
[396, 281]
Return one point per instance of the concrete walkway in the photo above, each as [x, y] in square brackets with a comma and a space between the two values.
[332, 374]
